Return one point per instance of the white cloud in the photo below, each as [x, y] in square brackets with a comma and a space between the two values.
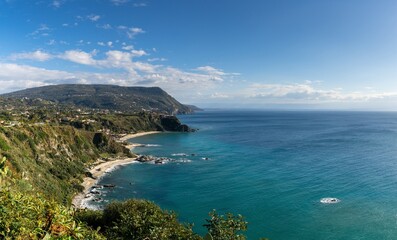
[43, 30]
[78, 56]
[157, 59]
[177, 77]
[131, 31]
[101, 44]
[306, 92]
[138, 53]
[217, 95]
[140, 4]
[37, 55]
[106, 26]
[144, 71]
[128, 47]
[57, 3]
[119, 2]
[134, 52]
[122, 2]
[121, 68]
[51, 42]
[10, 71]
[144, 67]
[210, 70]
[216, 74]
[14, 76]
[93, 17]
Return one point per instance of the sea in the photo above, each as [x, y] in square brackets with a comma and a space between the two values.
[274, 168]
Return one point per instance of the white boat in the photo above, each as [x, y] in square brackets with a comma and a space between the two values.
[329, 200]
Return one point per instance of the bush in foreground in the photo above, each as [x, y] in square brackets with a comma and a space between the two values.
[227, 227]
[28, 215]
[141, 219]
[137, 219]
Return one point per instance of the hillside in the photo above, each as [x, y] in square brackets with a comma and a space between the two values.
[111, 97]
[40, 137]
[45, 151]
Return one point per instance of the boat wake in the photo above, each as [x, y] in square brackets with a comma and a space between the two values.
[329, 200]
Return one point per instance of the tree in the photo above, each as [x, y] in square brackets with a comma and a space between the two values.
[227, 227]
[26, 214]
[137, 219]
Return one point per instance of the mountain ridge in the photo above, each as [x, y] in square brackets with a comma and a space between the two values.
[110, 97]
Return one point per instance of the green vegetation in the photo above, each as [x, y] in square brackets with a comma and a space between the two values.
[49, 146]
[52, 158]
[137, 219]
[111, 97]
[140, 219]
[25, 214]
[227, 227]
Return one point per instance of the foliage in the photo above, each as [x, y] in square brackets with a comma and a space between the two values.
[49, 145]
[225, 227]
[3, 145]
[140, 219]
[137, 219]
[28, 215]
[109, 145]
[106, 97]
[53, 159]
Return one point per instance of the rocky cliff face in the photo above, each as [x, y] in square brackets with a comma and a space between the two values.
[129, 123]
[172, 123]
[51, 158]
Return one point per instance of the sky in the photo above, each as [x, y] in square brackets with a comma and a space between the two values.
[287, 54]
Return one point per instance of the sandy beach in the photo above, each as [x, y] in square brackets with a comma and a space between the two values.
[134, 135]
[101, 167]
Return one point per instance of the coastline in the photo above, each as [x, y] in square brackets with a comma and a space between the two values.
[134, 135]
[102, 167]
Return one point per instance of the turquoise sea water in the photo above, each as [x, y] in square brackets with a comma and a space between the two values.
[273, 168]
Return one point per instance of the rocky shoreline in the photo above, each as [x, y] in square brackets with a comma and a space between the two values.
[102, 167]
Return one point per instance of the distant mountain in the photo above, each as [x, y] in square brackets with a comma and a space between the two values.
[194, 108]
[110, 97]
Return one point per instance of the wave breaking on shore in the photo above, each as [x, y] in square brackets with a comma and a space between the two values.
[81, 200]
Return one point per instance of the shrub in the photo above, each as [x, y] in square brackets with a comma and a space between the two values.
[137, 219]
[3, 145]
[28, 215]
[92, 218]
[225, 227]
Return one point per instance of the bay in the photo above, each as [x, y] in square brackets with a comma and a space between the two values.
[274, 167]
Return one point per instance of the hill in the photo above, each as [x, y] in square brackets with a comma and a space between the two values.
[111, 97]
[46, 149]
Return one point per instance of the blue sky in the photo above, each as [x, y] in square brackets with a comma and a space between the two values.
[226, 53]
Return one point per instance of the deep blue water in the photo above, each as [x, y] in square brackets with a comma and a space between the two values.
[273, 168]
